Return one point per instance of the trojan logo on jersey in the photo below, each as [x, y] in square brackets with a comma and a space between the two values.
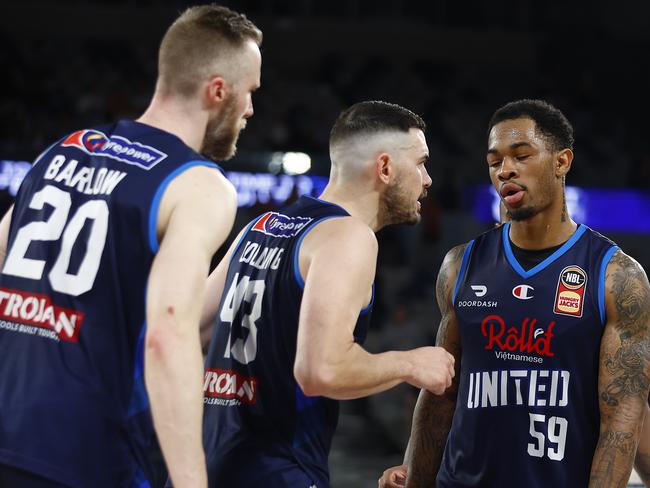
[570, 294]
[528, 338]
[523, 292]
[97, 143]
[279, 225]
[38, 311]
[229, 384]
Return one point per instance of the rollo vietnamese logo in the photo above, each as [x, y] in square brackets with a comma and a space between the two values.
[528, 338]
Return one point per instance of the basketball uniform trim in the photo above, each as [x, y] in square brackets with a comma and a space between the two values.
[243, 235]
[40, 156]
[155, 203]
[326, 202]
[549, 260]
[139, 396]
[372, 300]
[463, 268]
[601, 281]
[140, 480]
[296, 268]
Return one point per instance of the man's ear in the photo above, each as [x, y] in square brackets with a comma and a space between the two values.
[216, 90]
[384, 166]
[563, 162]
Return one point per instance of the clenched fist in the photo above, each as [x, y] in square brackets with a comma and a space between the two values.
[432, 369]
[394, 477]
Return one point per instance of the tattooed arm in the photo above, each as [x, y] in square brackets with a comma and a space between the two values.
[642, 460]
[624, 377]
[433, 414]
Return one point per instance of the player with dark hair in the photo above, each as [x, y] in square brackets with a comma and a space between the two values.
[292, 300]
[549, 323]
[105, 253]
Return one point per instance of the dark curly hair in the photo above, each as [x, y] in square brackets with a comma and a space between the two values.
[549, 121]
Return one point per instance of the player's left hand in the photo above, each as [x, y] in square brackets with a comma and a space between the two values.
[394, 477]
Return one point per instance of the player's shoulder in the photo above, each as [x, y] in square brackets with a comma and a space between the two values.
[200, 176]
[623, 267]
[341, 237]
[203, 185]
[628, 296]
[345, 229]
[598, 237]
[454, 256]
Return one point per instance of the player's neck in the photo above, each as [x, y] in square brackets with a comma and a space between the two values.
[542, 231]
[176, 117]
[363, 205]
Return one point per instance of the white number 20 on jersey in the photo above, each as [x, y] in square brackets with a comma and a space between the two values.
[58, 227]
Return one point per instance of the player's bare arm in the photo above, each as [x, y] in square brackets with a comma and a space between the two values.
[433, 414]
[337, 260]
[173, 359]
[642, 458]
[213, 291]
[5, 224]
[624, 377]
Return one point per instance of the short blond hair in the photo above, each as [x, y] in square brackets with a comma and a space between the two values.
[200, 35]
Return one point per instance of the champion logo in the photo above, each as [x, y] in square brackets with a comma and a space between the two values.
[479, 290]
[523, 292]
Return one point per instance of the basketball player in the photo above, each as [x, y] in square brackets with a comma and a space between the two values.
[294, 297]
[549, 324]
[107, 249]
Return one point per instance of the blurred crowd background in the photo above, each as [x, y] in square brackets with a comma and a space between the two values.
[70, 64]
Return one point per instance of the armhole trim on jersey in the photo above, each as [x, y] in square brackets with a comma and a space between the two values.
[296, 268]
[49, 148]
[368, 307]
[243, 235]
[601, 282]
[463, 269]
[155, 203]
[139, 397]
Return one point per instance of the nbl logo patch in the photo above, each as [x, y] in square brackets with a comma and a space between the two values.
[278, 225]
[97, 143]
[570, 294]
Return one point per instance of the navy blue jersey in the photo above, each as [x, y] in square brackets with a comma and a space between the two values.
[72, 305]
[260, 429]
[527, 411]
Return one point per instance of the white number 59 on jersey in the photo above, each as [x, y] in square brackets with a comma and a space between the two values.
[58, 227]
[556, 436]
